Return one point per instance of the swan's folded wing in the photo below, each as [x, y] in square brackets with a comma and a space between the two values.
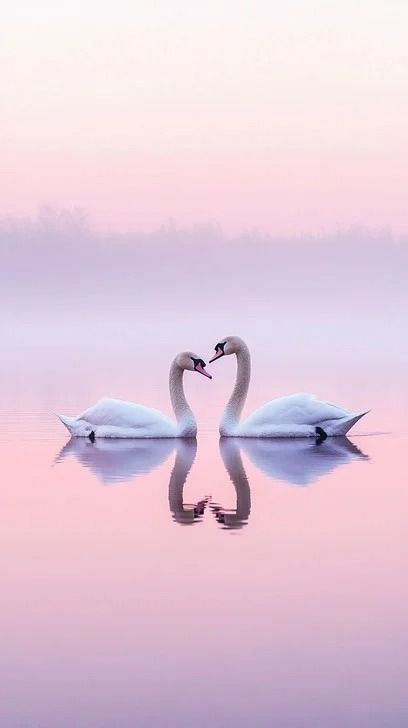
[118, 413]
[296, 409]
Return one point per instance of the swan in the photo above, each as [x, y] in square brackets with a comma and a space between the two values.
[298, 415]
[116, 418]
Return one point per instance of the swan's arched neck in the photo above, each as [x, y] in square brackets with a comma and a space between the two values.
[186, 423]
[232, 412]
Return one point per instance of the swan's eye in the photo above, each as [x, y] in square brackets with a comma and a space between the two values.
[198, 362]
[219, 351]
[199, 366]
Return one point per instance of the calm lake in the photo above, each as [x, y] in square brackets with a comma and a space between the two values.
[201, 583]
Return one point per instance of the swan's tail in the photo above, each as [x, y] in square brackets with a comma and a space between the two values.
[343, 425]
[73, 426]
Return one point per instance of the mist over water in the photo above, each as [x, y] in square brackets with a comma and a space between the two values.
[142, 580]
[326, 314]
[58, 254]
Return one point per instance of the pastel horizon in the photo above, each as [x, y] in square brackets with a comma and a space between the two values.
[286, 119]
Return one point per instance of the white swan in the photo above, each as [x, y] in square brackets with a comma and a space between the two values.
[116, 418]
[298, 415]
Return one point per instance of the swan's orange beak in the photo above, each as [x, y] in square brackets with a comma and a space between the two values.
[199, 368]
[218, 354]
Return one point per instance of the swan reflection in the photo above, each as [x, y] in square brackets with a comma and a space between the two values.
[297, 462]
[231, 457]
[115, 461]
[300, 461]
[184, 513]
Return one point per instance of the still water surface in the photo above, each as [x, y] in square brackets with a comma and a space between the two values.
[199, 583]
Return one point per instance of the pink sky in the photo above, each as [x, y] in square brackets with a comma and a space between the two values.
[290, 119]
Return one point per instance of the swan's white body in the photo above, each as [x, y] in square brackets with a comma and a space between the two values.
[116, 418]
[297, 415]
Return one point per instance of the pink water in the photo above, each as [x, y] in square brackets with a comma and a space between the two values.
[150, 584]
